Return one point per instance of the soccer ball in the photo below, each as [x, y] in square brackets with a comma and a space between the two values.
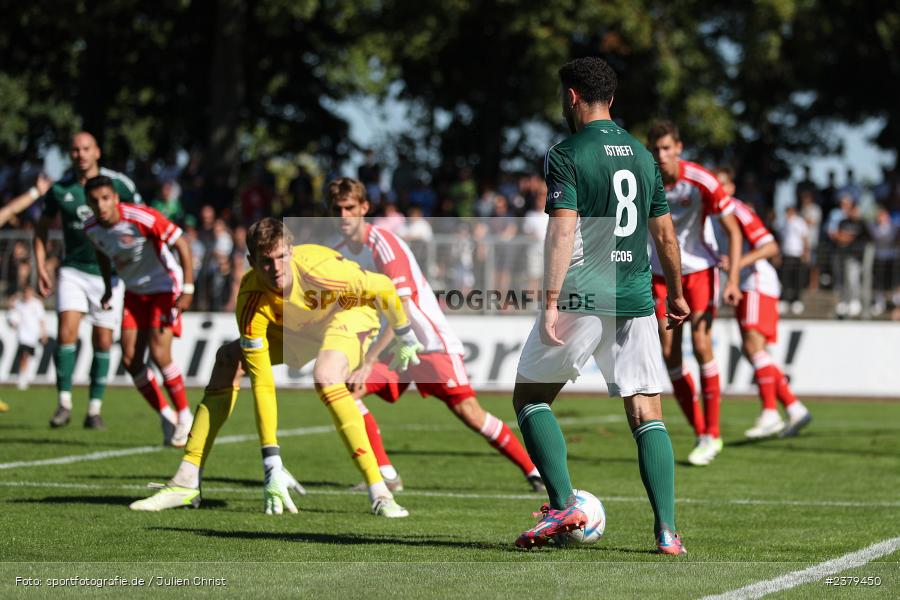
[596, 521]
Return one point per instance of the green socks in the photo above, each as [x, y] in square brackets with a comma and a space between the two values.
[547, 448]
[99, 372]
[657, 463]
[65, 366]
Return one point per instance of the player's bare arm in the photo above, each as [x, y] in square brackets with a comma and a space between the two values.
[764, 252]
[558, 253]
[663, 231]
[106, 272]
[183, 249]
[732, 293]
[23, 201]
[45, 282]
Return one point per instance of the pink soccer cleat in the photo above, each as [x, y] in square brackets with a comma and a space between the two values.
[669, 542]
[553, 522]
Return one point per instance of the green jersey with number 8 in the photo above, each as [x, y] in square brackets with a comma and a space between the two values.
[612, 182]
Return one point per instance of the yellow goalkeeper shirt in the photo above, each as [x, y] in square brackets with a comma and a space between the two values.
[324, 284]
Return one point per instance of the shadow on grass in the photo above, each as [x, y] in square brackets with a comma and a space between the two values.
[123, 501]
[49, 442]
[343, 539]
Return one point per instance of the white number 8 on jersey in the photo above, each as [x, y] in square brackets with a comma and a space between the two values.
[626, 202]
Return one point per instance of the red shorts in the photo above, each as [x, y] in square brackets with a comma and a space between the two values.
[440, 375]
[701, 290]
[151, 311]
[759, 312]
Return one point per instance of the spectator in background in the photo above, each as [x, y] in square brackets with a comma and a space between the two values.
[812, 214]
[17, 270]
[463, 193]
[850, 241]
[256, 198]
[535, 227]
[403, 179]
[220, 266]
[851, 188]
[239, 265]
[884, 234]
[829, 196]
[28, 317]
[807, 185]
[795, 254]
[882, 191]
[417, 228]
[169, 201]
[369, 174]
[484, 207]
[503, 228]
[392, 219]
[422, 196]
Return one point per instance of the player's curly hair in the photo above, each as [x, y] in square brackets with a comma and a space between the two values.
[265, 235]
[592, 77]
[660, 129]
[346, 187]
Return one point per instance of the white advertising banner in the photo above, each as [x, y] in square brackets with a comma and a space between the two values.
[822, 358]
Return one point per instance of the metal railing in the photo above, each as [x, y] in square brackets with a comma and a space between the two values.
[465, 264]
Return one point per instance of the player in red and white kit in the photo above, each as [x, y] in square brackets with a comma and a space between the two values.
[441, 372]
[758, 317]
[694, 194]
[136, 240]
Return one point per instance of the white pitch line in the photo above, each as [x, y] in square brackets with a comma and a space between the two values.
[813, 573]
[247, 437]
[463, 495]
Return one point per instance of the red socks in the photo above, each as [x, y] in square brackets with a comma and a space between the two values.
[712, 396]
[174, 383]
[374, 435]
[146, 384]
[499, 435]
[686, 393]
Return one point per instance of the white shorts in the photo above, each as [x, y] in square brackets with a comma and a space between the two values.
[626, 350]
[81, 292]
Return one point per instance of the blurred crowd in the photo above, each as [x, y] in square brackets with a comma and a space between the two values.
[839, 238]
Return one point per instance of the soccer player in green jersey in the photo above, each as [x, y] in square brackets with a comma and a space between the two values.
[605, 198]
[79, 286]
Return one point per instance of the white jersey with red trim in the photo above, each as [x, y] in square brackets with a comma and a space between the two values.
[138, 247]
[761, 275]
[384, 252]
[696, 195]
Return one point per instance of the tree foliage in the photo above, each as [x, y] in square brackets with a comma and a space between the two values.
[750, 83]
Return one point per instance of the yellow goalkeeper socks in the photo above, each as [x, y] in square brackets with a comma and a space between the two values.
[211, 414]
[350, 425]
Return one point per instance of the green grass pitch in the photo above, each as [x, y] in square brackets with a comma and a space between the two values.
[760, 511]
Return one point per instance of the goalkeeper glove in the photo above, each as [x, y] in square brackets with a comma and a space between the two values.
[276, 488]
[406, 349]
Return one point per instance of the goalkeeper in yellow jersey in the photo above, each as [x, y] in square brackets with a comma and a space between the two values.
[296, 304]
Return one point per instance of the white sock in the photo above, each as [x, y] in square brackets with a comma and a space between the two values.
[769, 413]
[533, 473]
[168, 414]
[184, 415]
[388, 472]
[796, 410]
[187, 475]
[379, 490]
[65, 400]
[94, 407]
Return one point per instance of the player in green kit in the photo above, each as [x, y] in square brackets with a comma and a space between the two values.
[605, 198]
[79, 286]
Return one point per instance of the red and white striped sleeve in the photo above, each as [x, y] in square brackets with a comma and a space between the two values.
[154, 223]
[715, 200]
[392, 260]
[752, 228]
